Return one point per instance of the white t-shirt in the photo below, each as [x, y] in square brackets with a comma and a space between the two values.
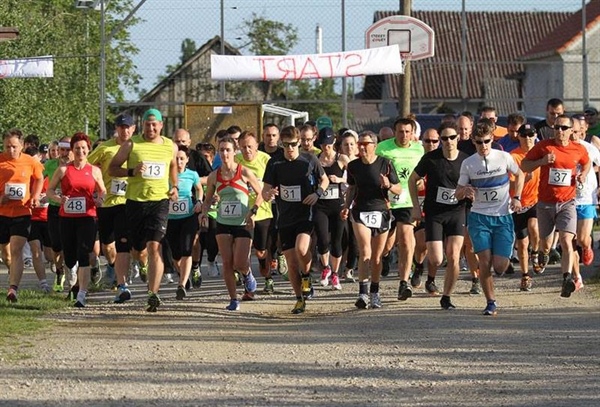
[586, 192]
[490, 177]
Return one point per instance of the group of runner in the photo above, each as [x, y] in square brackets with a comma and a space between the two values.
[456, 191]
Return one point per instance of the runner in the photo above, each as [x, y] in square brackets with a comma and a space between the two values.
[349, 148]
[370, 180]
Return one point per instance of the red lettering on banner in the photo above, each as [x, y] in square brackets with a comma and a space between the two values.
[350, 65]
[281, 66]
[329, 57]
[314, 74]
[262, 61]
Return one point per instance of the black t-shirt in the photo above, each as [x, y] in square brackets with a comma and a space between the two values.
[295, 180]
[543, 129]
[199, 163]
[369, 194]
[277, 154]
[442, 178]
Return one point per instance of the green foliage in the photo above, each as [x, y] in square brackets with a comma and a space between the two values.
[52, 107]
[316, 90]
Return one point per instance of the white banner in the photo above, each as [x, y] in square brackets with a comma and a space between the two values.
[37, 67]
[375, 61]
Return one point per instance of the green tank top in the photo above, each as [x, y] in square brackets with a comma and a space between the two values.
[153, 184]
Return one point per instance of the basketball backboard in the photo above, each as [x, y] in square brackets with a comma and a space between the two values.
[415, 38]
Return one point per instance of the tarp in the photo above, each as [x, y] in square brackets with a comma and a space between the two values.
[375, 61]
[36, 67]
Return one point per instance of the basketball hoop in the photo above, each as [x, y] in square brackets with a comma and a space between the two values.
[415, 38]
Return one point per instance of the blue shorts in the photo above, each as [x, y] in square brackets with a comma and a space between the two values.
[495, 233]
[586, 212]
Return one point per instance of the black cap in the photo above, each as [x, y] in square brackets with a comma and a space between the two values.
[527, 129]
[124, 120]
[326, 136]
[43, 148]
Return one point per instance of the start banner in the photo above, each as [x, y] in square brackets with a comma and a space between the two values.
[36, 67]
[374, 61]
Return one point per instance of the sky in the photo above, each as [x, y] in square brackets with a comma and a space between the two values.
[168, 22]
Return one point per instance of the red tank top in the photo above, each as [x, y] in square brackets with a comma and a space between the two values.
[79, 186]
[40, 213]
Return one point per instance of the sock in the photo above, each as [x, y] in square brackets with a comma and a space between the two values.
[43, 282]
[419, 266]
[14, 287]
[195, 265]
[430, 279]
[475, 279]
[363, 287]
[374, 287]
[302, 275]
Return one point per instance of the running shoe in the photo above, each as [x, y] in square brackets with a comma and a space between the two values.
[299, 307]
[540, 266]
[134, 271]
[325, 274]
[96, 275]
[269, 286]
[122, 296]
[349, 276]
[335, 282]
[404, 291]
[578, 283]
[250, 282]
[554, 257]
[45, 287]
[490, 309]
[587, 256]
[308, 290]
[153, 302]
[72, 295]
[80, 303]
[282, 267]
[72, 275]
[375, 301]
[28, 263]
[213, 269]
[446, 304]
[415, 279]
[475, 287]
[463, 264]
[234, 305]
[169, 278]
[362, 303]
[431, 288]
[196, 278]
[568, 286]
[238, 278]
[59, 281]
[273, 267]
[526, 283]
[180, 294]
[144, 274]
[11, 295]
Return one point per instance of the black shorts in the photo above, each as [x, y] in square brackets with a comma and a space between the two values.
[146, 221]
[521, 219]
[112, 223]
[39, 231]
[420, 226]
[438, 226]
[288, 234]
[18, 226]
[402, 215]
[181, 234]
[261, 234]
[235, 231]
[386, 221]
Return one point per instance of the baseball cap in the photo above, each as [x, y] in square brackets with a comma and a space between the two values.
[153, 112]
[326, 136]
[43, 148]
[124, 120]
[591, 110]
[527, 129]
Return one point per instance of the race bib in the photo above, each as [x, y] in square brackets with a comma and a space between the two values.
[154, 170]
[489, 195]
[43, 201]
[446, 196]
[118, 187]
[290, 194]
[371, 219]
[398, 199]
[180, 207]
[15, 192]
[559, 177]
[75, 205]
[230, 209]
[332, 192]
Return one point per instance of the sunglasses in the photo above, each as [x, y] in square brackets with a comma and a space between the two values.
[446, 138]
[527, 135]
[364, 143]
[431, 141]
[563, 128]
[486, 141]
[287, 144]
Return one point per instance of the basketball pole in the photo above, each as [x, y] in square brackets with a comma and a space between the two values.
[404, 84]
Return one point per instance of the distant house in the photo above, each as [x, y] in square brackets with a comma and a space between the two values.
[515, 61]
[191, 83]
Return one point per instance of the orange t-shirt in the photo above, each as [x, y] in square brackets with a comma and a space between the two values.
[15, 177]
[529, 196]
[557, 180]
[499, 132]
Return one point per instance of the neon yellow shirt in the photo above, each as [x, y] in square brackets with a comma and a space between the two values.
[153, 184]
[115, 187]
[257, 166]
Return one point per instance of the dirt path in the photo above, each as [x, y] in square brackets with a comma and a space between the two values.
[540, 350]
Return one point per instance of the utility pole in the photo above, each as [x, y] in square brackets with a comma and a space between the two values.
[404, 85]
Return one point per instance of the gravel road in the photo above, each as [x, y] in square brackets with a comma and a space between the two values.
[540, 350]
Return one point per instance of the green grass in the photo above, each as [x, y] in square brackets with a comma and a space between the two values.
[22, 319]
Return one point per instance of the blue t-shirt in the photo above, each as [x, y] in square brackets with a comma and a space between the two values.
[508, 144]
[184, 206]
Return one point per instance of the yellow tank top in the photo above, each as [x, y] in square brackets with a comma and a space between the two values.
[153, 184]
[115, 187]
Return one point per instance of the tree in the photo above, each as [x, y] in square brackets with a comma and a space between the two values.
[52, 107]
[188, 49]
[316, 90]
